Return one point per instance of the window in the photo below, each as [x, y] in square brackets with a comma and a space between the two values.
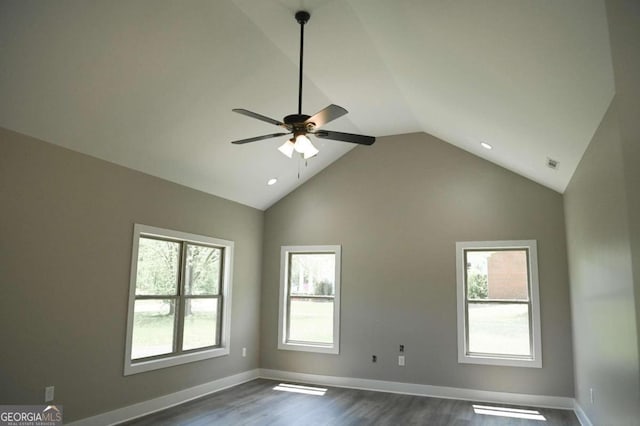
[498, 303]
[309, 317]
[179, 299]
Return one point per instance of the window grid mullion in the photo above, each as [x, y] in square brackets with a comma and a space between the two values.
[288, 310]
[219, 320]
[500, 301]
[530, 296]
[179, 335]
[155, 296]
[220, 294]
[297, 296]
[466, 305]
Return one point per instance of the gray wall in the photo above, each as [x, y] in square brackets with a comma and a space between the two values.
[624, 29]
[602, 207]
[397, 208]
[602, 295]
[66, 223]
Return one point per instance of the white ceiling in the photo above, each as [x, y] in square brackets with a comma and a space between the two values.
[150, 84]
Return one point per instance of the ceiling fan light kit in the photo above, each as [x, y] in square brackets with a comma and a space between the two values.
[287, 148]
[301, 125]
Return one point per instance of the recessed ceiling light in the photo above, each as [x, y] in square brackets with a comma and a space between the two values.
[272, 181]
[486, 145]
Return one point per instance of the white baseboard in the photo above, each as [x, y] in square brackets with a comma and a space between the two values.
[581, 415]
[163, 402]
[559, 402]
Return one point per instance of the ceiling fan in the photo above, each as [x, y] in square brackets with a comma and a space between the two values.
[300, 125]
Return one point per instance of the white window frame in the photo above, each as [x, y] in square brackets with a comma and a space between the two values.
[139, 366]
[464, 356]
[285, 252]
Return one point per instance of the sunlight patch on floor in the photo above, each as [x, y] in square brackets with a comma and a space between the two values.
[308, 390]
[508, 412]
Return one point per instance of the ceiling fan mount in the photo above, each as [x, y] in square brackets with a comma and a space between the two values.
[300, 125]
[302, 16]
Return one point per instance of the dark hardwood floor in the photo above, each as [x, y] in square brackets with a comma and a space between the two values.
[260, 402]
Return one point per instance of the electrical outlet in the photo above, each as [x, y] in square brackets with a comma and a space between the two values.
[401, 360]
[48, 393]
[374, 358]
[401, 348]
[591, 395]
[244, 352]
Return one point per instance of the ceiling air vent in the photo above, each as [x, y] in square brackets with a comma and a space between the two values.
[552, 164]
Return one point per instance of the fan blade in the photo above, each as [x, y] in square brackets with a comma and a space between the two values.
[345, 137]
[259, 138]
[257, 116]
[328, 114]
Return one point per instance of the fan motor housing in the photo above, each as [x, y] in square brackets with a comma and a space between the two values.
[296, 119]
[297, 123]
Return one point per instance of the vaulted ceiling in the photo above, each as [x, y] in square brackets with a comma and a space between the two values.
[150, 84]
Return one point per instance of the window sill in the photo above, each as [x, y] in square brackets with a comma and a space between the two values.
[309, 347]
[500, 361]
[134, 367]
